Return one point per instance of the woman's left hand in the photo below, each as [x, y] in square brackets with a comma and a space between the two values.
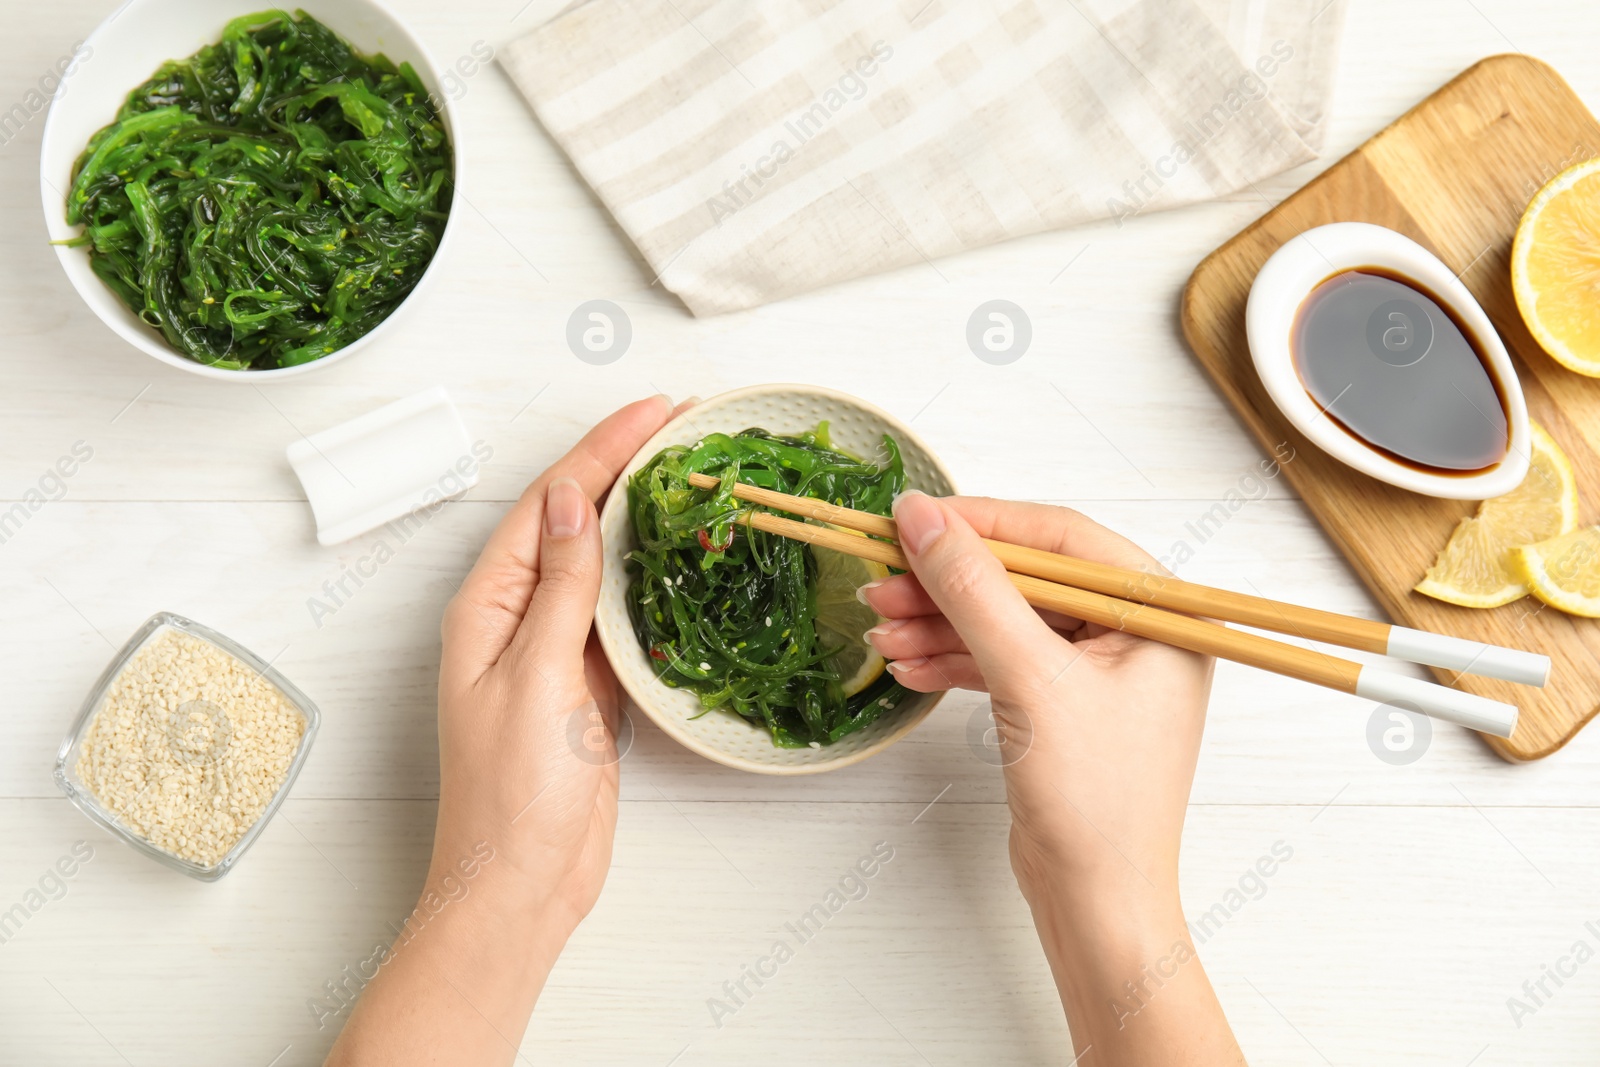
[528, 710]
[528, 722]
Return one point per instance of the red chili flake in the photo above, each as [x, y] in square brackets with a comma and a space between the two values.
[656, 653]
[705, 541]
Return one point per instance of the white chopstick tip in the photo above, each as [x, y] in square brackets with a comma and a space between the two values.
[1440, 702]
[1469, 657]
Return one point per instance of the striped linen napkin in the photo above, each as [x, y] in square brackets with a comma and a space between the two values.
[754, 149]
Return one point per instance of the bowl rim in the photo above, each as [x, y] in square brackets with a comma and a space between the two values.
[65, 774]
[1276, 295]
[150, 341]
[614, 517]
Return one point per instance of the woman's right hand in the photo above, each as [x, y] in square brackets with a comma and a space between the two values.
[1099, 734]
[1099, 731]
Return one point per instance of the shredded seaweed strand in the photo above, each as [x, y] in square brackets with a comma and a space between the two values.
[269, 199]
[729, 612]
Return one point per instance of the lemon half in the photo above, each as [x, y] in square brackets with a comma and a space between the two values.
[1555, 267]
[1472, 569]
[842, 619]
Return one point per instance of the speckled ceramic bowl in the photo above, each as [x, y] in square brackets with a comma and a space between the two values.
[723, 736]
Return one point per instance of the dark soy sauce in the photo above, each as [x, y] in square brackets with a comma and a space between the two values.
[1390, 364]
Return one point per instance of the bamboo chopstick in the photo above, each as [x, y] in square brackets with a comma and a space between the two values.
[1195, 635]
[1141, 617]
[1174, 594]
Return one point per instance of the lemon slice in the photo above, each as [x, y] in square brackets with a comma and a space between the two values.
[1472, 567]
[842, 619]
[1564, 571]
[1555, 267]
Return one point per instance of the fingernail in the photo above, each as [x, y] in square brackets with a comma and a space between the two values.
[882, 630]
[919, 519]
[863, 590]
[564, 509]
[903, 666]
[693, 401]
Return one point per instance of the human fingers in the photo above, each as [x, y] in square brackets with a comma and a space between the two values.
[902, 597]
[1052, 528]
[556, 626]
[899, 596]
[925, 635]
[489, 604]
[934, 674]
[971, 588]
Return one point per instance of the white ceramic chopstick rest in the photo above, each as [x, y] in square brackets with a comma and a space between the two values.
[1468, 657]
[1440, 702]
[405, 456]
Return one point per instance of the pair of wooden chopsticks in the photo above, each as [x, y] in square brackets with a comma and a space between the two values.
[1147, 605]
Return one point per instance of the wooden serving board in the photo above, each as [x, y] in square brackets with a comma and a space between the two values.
[1454, 173]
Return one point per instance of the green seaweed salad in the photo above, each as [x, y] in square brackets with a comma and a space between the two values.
[748, 620]
[268, 200]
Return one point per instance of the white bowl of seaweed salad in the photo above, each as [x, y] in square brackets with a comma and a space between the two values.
[718, 633]
[249, 194]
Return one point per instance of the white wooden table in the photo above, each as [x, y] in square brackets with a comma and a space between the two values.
[1418, 898]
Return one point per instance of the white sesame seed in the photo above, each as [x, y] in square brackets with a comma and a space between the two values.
[189, 747]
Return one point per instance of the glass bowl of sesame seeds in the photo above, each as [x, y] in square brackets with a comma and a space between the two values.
[186, 746]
